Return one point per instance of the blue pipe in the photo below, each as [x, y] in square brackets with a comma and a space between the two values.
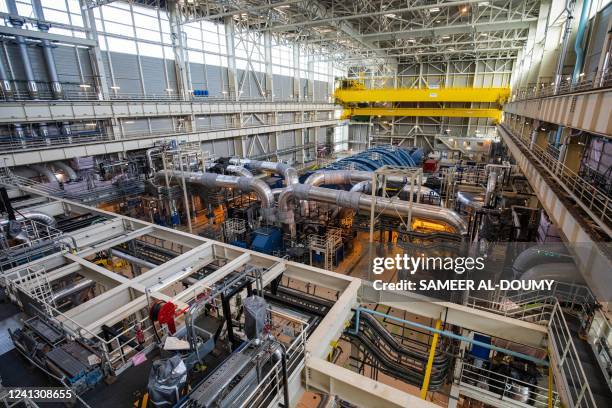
[584, 17]
[447, 334]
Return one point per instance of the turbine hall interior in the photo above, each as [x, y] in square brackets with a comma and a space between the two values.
[305, 203]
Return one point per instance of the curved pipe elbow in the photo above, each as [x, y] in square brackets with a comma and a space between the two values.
[69, 171]
[239, 170]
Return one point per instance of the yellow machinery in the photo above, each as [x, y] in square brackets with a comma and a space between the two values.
[353, 95]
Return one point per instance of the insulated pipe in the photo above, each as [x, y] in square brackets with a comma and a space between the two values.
[149, 154]
[34, 216]
[56, 86]
[541, 254]
[289, 173]
[133, 259]
[362, 202]
[582, 23]
[72, 289]
[559, 272]
[66, 169]
[365, 186]
[239, 170]
[490, 191]
[213, 180]
[5, 83]
[45, 171]
[27, 66]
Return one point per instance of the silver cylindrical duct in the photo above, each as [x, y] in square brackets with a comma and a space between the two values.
[34, 216]
[559, 272]
[541, 254]
[491, 192]
[43, 131]
[56, 86]
[149, 154]
[5, 82]
[347, 177]
[71, 289]
[289, 173]
[239, 170]
[45, 171]
[363, 202]
[212, 180]
[20, 133]
[27, 66]
[69, 171]
[132, 259]
[67, 131]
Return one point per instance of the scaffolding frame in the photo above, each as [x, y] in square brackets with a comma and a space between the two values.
[413, 178]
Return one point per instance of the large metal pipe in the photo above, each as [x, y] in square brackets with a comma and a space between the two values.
[133, 259]
[491, 192]
[69, 171]
[56, 86]
[213, 180]
[45, 171]
[541, 254]
[239, 170]
[362, 202]
[71, 289]
[559, 272]
[34, 216]
[18, 22]
[582, 25]
[149, 154]
[289, 173]
[5, 82]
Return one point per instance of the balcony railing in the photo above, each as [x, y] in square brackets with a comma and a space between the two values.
[594, 201]
[565, 86]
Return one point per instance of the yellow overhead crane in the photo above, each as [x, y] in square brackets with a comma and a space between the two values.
[351, 93]
[356, 95]
[492, 113]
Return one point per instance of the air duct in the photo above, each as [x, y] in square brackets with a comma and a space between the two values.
[133, 259]
[289, 173]
[213, 180]
[71, 289]
[56, 86]
[70, 173]
[559, 272]
[34, 216]
[582, 24]
[541, 254]
[18, 22]
[362, 202]
[44, 171]
[5, 83]
[149, 154]
[490, 193]
[239, 170]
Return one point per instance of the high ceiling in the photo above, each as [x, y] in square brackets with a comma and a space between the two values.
[376, 31]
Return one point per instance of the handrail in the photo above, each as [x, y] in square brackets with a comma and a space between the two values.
[567, 86]
[596, 203]
[501, 386]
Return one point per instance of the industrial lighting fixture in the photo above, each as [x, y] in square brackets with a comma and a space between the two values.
[169, 89]
[128, 122]
[448, 130]
[390, 15]
[434, 9]
[85, 86]
[411, 40]
[464, 10]
[451, 49]
[483, 3]
[438, 21]
[450, 139]
[468, 148]
[581, 74]
[91, 124]
[445, 37]
[115, 87]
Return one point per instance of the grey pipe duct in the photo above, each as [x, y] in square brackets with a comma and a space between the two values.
[474, 200]
[212, 180]
[559, 272]
[346, 177]
[17, 22]
[239, 170]
[66, 169]
[149, 154]
[289, 173]
[45, 171]
[27, 66]
[71, 289]
[365, 186]
[56, 86]
[362, 202]
[34, 216]
[5, 83]
[133, 259]
[491, 189]
[541, 254]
